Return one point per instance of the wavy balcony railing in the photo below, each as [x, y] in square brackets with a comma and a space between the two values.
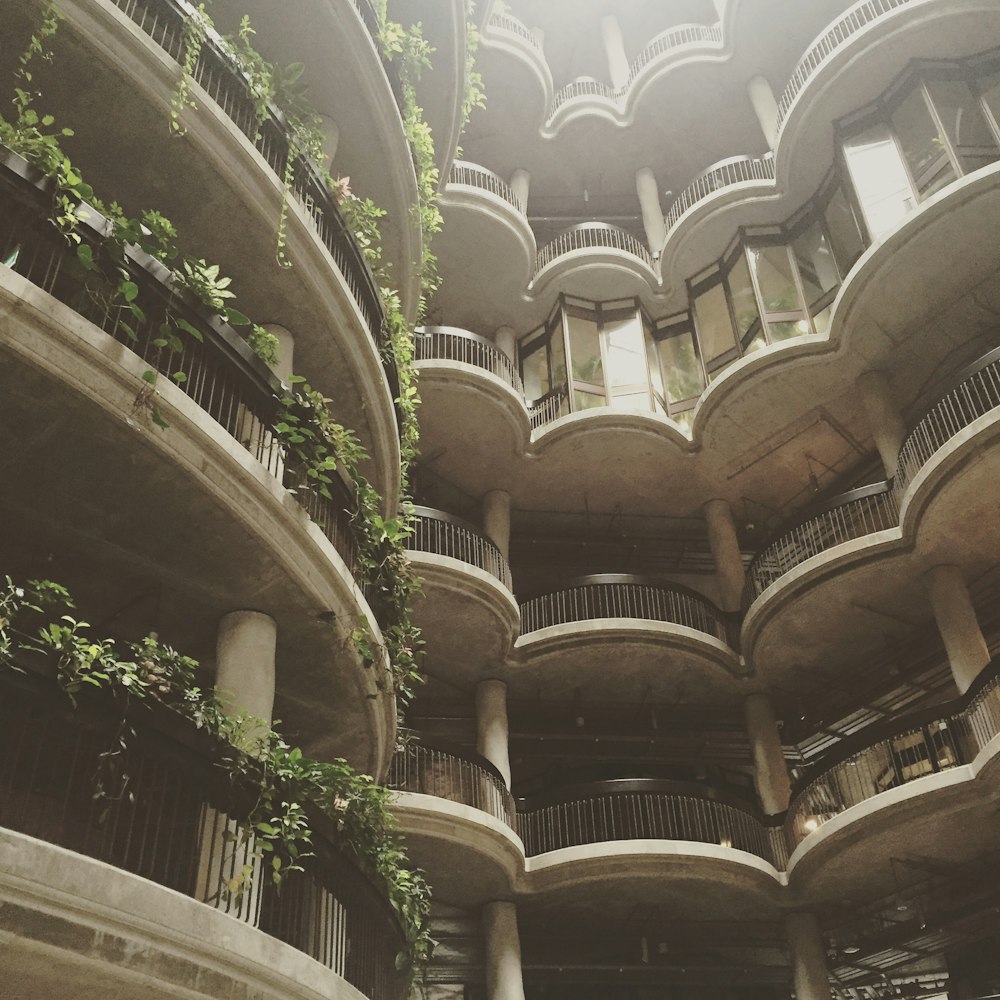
[646, 809]
[433, 767]
[975, 393]
[216, 72]
[180, 823]
[897, 753]
[446, 343]
[223, 376]
[724, 174]
[623, 596]
[840, 31]
[510, 24]
[592, 236]
[473, 175]
[551, 406]
[444, 534]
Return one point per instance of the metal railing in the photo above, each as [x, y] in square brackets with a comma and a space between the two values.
[510, 24]
[936, 741]
[370, 19]
[591, 236]
[646, 809]
[446, 535]
[848, 25]
[221, 374]
[447, 343]
[167, 812]
[622, 596]
[219, 75]
[473, 175]
[435, 768]
[550, 407]
[724, 174]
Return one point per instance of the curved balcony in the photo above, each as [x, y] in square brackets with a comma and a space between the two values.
[473, 175]
[510, 24]
[180, 826]
[724, 174]
[444, 343]
[591, 236]
[446, 535]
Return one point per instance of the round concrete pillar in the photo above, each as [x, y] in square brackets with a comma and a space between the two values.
[614, 47]
[284, 367]
[331, 132]
[808, 957]
[770, 771]
[725, 548]
[503, 952]
[652, 210]
[956, 620]
[884, 418]
[506, 339]
[496, 519]
[244, 658]
[766, 108]
[492, 728]
[520, 184]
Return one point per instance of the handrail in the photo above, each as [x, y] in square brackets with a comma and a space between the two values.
[370, 19]
[473, 175]
[448, 343]
[590, 236]
[447, 535]
[547, 408]
[623, 596]
[433, 767]
[223, 376]
[217, 73]
[181, 823]
[732, 170]
[509, 23]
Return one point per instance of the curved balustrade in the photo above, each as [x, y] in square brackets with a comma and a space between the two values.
[446, 343]
[180, 825]
[448, 772]
[370, 19]
[218, 74]
[734, 170]
[622, 596]
[473, 175]
[223, 376]
[920, 745]
[446, 535]
[510, 24]
[646, 809]
[592, 236]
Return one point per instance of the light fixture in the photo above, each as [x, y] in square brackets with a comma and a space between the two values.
[811, 824]
[725, 842]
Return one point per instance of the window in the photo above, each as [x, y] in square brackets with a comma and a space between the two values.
[817, 272]
[682, 378]
[880, 179]
[972, 139]
[749, 330]
[715, 327]
[628, 378]
[845, 235]
[779, 294]
[924, 148]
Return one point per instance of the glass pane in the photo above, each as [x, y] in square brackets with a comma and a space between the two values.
[785, 330]
[848, 244]
[681, 371]
[821, 321]
[685, 420]
[880, 179]
[535, 373]
[775, 279]
[626, 351]
[817, 268]
[586, 400]
[962, 115]
[653, 364]
[744, 300]
[634, 399]
[585, 349]
[923, 148]
[558, 352]
[715, 330]
[989, 87]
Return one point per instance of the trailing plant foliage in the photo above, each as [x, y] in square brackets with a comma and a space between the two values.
[285, 781]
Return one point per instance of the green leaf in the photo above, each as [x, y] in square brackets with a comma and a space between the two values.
[235, 318]
[129, 290]
[149, 376]
[188, 328]
[85, 254]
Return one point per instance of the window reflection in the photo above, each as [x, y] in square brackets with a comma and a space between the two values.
[965, 124]
[880, 179]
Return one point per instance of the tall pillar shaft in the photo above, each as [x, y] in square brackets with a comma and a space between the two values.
[503, 952]
[958, 624]
[496, 519]
[506, 339]
[244, 663]
[520, 184]
[766, 108]
[770, 770]
[492, 727]
[652, 209]
[725, 547]
[805, 944]
[614, 47]
[884, 418]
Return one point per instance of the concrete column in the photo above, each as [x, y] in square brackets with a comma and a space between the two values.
[957, 622]
[652, 210]
[503, 952]
[726, 553]
[284, 367]
[492, 728]
[520, 184]
[769, 769]
[884, 418]
[762, 99]
[505, 338]
[244, 658]
[614, 47]
[331, 130]
[808, 956]
[496, 519]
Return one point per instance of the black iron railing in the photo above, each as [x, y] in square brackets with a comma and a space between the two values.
[446, 343]
[433, 767]
[220, 77]
[168, 813]
[222, 375]
[446, 535]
